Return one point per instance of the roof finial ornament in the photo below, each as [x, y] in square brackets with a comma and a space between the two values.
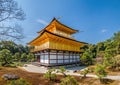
[59, 17]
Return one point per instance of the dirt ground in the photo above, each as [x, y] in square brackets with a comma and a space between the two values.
[38, 79]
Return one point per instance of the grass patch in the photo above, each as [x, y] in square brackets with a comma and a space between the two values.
[19, 63]
[15, 64]
[18, 82]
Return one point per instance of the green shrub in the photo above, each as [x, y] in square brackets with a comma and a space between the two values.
[5, 57]
[100, 72]
[50, 75]
[85, 72]
[62, 70]
[69, 80]
[116, 65]
[18, 82]
[17, 56]
[30, 57]
[87, 58]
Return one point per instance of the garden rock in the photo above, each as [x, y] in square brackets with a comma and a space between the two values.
[10, 77]
[74, 71]
[25, 65]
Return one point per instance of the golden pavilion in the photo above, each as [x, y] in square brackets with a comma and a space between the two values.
[56, 46]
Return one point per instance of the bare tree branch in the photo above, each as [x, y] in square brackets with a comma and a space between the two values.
[9, 11]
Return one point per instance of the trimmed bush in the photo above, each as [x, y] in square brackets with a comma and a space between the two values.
[69, 80]
[18, 82]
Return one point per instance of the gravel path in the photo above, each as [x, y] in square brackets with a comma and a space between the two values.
[91, 75]
[36, 69]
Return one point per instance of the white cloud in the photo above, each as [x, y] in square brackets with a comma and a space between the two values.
[43, 22]
[104, 30]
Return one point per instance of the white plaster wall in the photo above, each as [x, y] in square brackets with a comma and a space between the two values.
[46, 59]
[42, 59]
[70, 56]
[60, 56]
[66, 61]
[71, 60]
[74, 60]
[52, 61]
[60, 61]
[78, 57]
[66, 57]
[52, 56]
[74, 56]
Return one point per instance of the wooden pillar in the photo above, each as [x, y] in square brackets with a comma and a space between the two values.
[34, 56]
[43, 56]
[76, 57]
[69, 57]
[79, 57]
[57, 57]
[72, 57]
[63, 57]
[48, 56]
[39, 56]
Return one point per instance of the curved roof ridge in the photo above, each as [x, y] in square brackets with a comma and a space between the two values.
[54, 19]
[55, 35]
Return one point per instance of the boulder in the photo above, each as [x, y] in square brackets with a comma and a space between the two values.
[10, 76]
[74, 71]
[25, 65]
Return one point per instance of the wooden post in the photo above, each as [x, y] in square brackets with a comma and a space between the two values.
[69, 57]
[63, 57]
[34, 56]
[49, 57]
[57, 57]
[44, 57]
[40, 56]
[72, 58]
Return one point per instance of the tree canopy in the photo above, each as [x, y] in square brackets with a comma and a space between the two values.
[11, 52]
[5, 57]
[106, 50]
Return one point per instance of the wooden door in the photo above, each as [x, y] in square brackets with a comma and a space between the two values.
[38, 58]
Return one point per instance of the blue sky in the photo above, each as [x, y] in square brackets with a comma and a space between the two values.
[97, 20]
